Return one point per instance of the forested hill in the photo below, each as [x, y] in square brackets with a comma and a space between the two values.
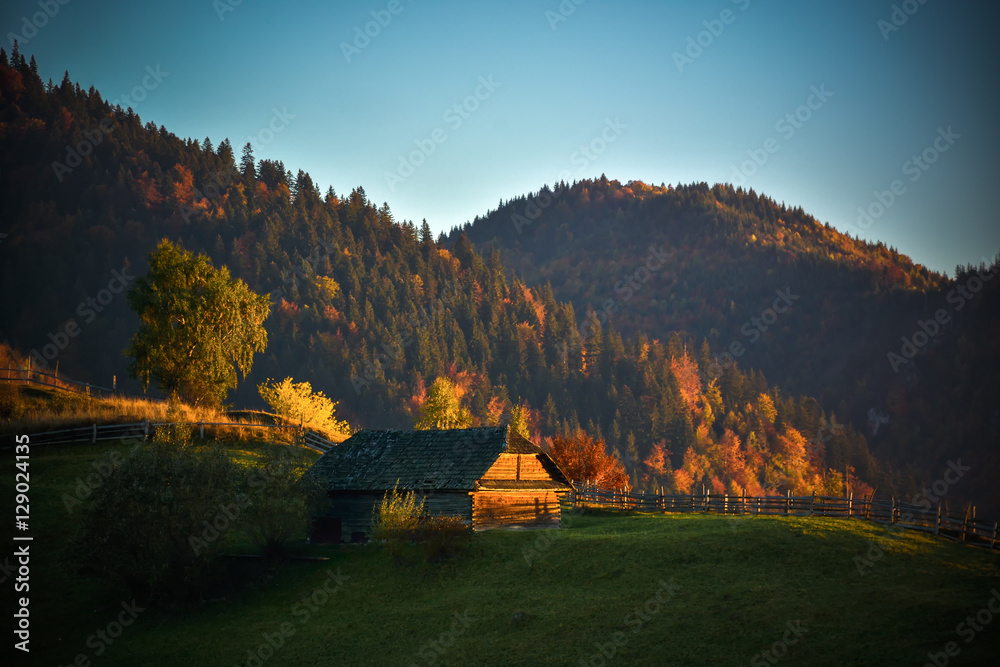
[369, 309]
[731, 252]
[837, 335]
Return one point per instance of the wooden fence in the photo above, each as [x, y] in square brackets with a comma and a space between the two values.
[965, 528]
[40, 378]
[143, 430]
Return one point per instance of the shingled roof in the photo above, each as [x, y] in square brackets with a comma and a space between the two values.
[455, 459]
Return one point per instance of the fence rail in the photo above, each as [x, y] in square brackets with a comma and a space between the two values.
[41, 378]
[94, 433]
[925, 518]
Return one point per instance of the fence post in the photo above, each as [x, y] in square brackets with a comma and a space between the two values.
[850, 501]
[725, 503]
[812, 504]
[93, 438]
[994, 540]
[892, 510]
[937, 522]
[145, 431]
[788, 500]
[965, 523]
[202, 424]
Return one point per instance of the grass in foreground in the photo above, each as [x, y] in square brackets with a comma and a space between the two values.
[733, 585]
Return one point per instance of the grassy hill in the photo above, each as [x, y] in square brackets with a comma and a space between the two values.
[658, 590]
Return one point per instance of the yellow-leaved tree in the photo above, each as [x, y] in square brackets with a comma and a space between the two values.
[443, 408]
[297, 402]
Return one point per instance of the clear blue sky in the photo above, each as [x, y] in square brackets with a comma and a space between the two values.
[560, 81]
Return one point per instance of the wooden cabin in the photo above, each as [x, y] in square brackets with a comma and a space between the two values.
[490, 477]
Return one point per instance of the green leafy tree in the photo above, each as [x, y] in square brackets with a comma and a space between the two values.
[443, 409]
[197, 326]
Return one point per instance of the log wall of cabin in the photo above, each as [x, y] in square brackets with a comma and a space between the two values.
[517, 467]
[493, 509]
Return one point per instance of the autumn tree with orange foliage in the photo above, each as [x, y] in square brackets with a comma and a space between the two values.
[586, 460]
[657, 466]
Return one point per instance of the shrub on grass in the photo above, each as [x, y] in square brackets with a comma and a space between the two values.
[176, 433]
[157, 523]
[280, 501]
[12, 405]
[399, 520]
[443, 536]
[396, 516]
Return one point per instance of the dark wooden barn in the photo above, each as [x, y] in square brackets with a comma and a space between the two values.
[490, 477]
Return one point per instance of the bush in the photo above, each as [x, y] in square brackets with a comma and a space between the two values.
[280, 501]
[176, 433]
[12, 404]
[443, 536]
[396, 516]
[159, 520]
[399, 520]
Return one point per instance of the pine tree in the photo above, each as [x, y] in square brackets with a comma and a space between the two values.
[247, 166]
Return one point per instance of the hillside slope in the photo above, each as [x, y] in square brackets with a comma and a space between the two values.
[768, 286]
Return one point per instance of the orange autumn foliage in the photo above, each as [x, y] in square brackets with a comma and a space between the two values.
[685, 369]
[585, 460]
[658, 459]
